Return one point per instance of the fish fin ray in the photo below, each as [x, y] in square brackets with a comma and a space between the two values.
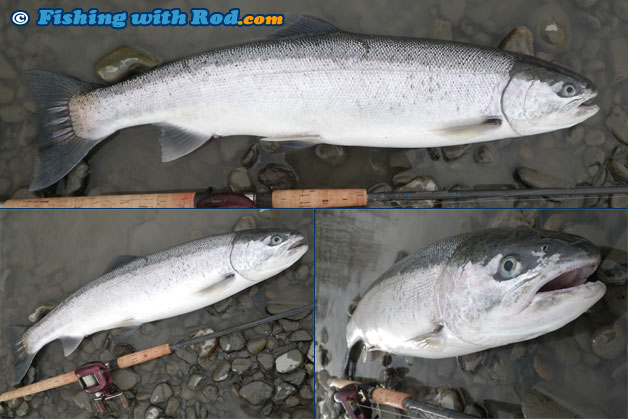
[217, 287]
[467, 132]
[430, 341]
[22, 358]
[296, 141]
[177, 141]
[70, 343]
[300, 25]
[59, 147]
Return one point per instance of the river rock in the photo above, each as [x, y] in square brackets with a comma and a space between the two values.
[333, 155]
[617, 123]
[619, 164]
[594, 137]
[484, 155]
[221, 372]
[125, 378]
[187, 355]
[283, 390]
[609, 341]
[76, 180]
[153, 412]
[552, 27]
[256, 392]
[171, 406]
[276, 308]
[277, 176]
[471, 362]
[519, 40]
[455, 151]
[295, 378]
[441, 29]
[300, 336]
[501, 369]
[25, 408]
[195, 381]
[211, 392]
[232, 342]
[161, 393]
[6, 94]
[536, 179]
[289, 361]
[13, 113]
[122, 62]
[613, 269]
[537, 405]
[240, 181]
[241, 365]
[444, 397]
[256, 345]
[619, 59]
[207, 347]
[245, 223]
[250, 157]
[265, 361]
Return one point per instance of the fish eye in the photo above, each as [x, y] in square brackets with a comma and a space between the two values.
[568, 90]
[275, 240]
[508, 267]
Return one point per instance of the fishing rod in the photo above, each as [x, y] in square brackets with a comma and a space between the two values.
[300, 198]
[358, 400]
[95, 377]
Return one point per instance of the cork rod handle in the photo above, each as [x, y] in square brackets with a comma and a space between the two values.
[161, 200]
[319, 198]
[380, 395]
[54, 382]
[146, 355]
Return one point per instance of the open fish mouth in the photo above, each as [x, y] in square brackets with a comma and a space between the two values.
[573, 277]
[298, 244]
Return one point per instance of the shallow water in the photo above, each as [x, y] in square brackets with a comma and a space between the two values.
[130, 160]
[366, 243]
[47, 255]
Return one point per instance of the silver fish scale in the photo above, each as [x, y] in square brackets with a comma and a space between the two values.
[409, 284]
[316, 85]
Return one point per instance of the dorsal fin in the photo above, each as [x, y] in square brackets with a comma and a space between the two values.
[300, 25]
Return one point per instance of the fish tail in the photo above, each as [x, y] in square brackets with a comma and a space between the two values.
[22, 356]
[60, 148]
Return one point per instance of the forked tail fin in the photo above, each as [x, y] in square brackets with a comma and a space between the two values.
[22, 358]
[60, 149]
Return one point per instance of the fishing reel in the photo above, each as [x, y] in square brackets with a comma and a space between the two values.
[95, 379]
[355, 400]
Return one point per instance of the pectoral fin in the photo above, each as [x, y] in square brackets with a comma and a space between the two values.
[70, 343]
[432, 341]
[296, 141]
[177, 141]
[217, 287]
[470, 131]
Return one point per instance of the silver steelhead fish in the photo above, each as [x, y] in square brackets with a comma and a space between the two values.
[166, 284]
[477, 291]
[332, 87]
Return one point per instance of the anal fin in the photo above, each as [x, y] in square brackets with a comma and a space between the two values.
[472, 130]
[177, 141]
[70, 343]
[217, 287]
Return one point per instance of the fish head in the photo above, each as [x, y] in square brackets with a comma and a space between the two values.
[507, 285]
[259, 254]
[542, 97]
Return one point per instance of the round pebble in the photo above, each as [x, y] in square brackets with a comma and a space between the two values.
[609, 341]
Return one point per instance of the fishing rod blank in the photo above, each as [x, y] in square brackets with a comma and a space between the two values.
[139, 357]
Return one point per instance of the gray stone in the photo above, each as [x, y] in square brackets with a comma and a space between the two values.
[222, 305]
[619, 164]
[161, 393]
[471, 363]
[283, 390]
[232, 342]
[441, 29]
[250, 157]
[295, 378]
[211, 392]
[536, 179]
[609, 341]
[76, 180]
[122, 349]
[620, 9]
[594, 137]
[24, 409]
[333, 155]
[301, 273]
[575, 135]
[222, 371]
[289, 325]
[149, 329]
[501, 369]
[256, 392]
[306, 393]
[122, 62]
[275, 308]
[240, 181]
[256, 344]
[484, 155]
[277, 176]
[503, 410]
[195, 381]
[241, 365]
[265, 361]
[270, 146]
[445, 397]
[82, 400]
[7, 95]
[613, 269]
[455, 151]
[187, 355]
[207, 347]
[519, 40]
[171, 406]
[617, 123]
[125, 378]
[594, 158]
[452, 10]
[40, 311]
[7, 71]
[537, 405]
[619, 59]
[245, 223]
[300, 336]
[153, 412]
[13, 113]
[289, 361]
[244, 302]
